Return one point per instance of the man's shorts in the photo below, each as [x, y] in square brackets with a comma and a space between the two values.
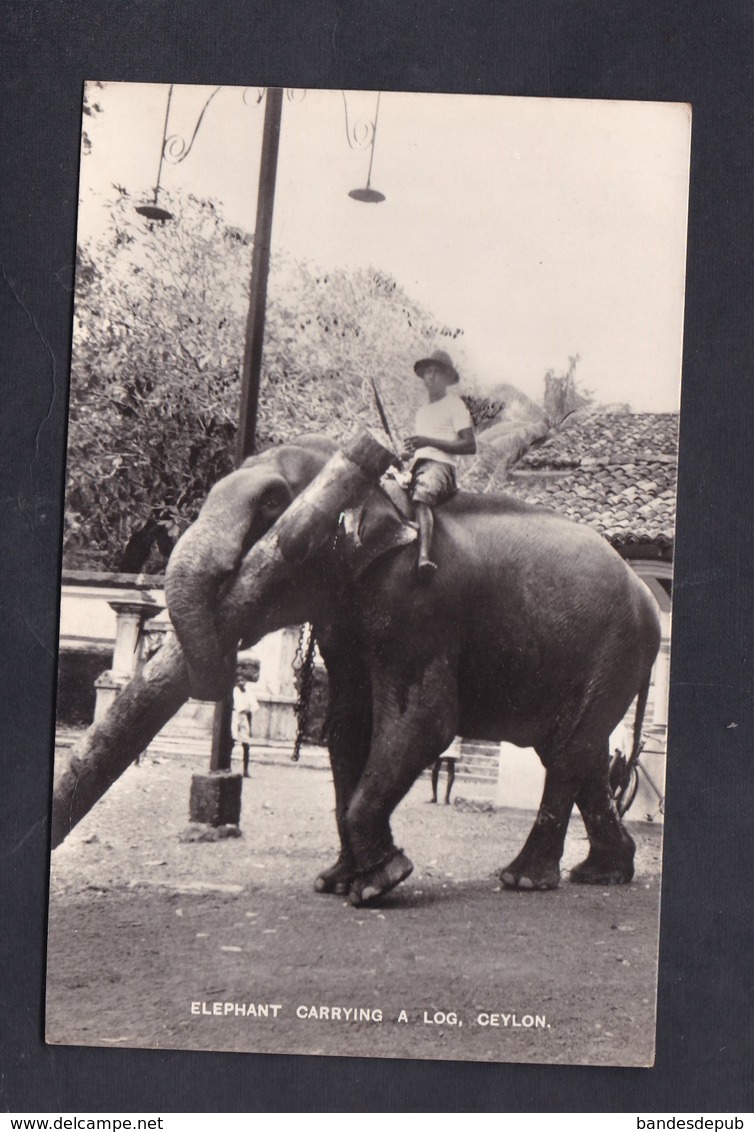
[432, 482]
[241, 727]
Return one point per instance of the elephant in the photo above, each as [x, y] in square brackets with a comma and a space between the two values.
[534, 631]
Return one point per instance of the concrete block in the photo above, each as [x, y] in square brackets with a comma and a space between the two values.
[216, 798]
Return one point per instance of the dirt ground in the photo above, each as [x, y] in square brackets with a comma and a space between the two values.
[147, 933]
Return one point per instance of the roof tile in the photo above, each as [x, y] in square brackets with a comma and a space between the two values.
[618, 474]
[615, 437]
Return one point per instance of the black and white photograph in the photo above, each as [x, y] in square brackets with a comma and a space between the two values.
[365, 618]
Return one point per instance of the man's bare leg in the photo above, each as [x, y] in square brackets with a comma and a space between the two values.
[435, 778]
[450, 765]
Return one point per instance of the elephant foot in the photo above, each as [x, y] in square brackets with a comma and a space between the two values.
[336, 879]
[603, 870]
[374, 882]
[531, 876]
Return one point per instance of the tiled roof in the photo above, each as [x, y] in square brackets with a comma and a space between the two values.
[616, 472]
[614, 438]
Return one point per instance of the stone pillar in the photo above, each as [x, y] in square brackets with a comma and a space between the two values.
[276, 721]
[661, 682]
[276, 653]
[130, 616]
[520, 778]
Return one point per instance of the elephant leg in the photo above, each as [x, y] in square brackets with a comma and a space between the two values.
[611, 848]
[537, 866]
[349, 728]
[413, 724]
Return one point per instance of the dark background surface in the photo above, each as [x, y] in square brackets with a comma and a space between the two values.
[687, 50]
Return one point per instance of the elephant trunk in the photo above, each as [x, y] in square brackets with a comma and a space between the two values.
[86, 772]
[218, 592]
[193, 585]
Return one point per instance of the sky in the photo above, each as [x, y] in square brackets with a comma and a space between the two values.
[544, 228]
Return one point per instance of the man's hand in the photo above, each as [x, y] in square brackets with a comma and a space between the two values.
[414, 442]
[464, 445]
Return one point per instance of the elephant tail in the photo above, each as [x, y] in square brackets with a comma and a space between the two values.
[641, 707]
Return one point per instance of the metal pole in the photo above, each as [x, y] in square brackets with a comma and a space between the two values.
[374, 139]
[164, 140]
[222, 743]
[260, 267]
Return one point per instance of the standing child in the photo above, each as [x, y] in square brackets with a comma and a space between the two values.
[244, 705]
[444, 430]
[448, 757]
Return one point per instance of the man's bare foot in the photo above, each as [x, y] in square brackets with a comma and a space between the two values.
[426, 570]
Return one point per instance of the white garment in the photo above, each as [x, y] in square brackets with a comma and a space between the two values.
[441, 420]
[245, 703]
[244, 699]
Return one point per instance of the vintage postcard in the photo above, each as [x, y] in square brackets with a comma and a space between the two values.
[362, 751]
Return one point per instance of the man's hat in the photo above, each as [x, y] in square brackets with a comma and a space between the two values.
[440, 359]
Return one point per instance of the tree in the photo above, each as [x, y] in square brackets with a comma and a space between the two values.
[485, 411]
[159, 324]
[89, 109]
[509, 431]
[562, 395]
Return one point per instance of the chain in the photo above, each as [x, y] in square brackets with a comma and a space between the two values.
[303, 663]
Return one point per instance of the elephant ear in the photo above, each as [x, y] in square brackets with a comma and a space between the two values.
[237, 512]
[368, 532]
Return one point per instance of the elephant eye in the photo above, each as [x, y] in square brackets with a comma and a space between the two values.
[274, 504]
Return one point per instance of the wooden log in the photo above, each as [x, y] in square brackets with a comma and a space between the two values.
[145, 705]
[88, 770]
[306, 526]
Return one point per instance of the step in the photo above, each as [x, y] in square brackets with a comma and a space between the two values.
[471, 777]
[479, 762]
[181, 744]
[486, 748]
[178, 728]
